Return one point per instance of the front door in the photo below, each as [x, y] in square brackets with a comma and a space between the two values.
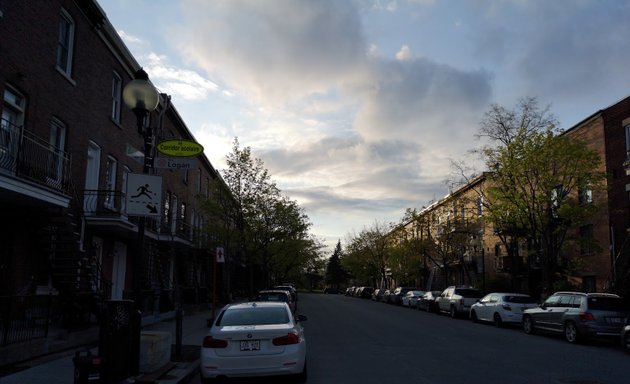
[119, 270]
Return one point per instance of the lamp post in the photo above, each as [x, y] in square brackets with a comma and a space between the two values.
[142, 97]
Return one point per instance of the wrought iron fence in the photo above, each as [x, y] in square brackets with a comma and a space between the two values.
[32, 158]
[24, 318]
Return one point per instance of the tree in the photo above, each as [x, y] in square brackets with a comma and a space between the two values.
[335, 275]
[273, 229]
[367, 255]
[536, 180]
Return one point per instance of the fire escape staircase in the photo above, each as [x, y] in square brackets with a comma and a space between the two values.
[72, 272]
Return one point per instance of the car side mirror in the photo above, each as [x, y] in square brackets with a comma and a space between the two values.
[301, 318]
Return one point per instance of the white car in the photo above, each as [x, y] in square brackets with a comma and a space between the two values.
[500, 308]
[411, 298]
[254, 339]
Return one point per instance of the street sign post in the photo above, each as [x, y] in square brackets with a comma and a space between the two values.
[143, 195]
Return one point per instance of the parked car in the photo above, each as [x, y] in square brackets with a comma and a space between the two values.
[289, 288]
[501, 308]
[578, 315]
[457, 300]
[411, 298]
[366, 292]
[377, 295]
[396, 296]
[254, 339]
[277, 295]
[331, 291]
[349, 291]
[625, 338]
[427, 301]
[386, 296]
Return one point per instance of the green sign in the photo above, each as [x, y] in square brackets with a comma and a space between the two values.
[179, 148]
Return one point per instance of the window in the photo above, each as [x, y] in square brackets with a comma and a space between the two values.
[116, 93]
[182, 216]
[586, 195]
[199, 180]
[586, 240]
[627, 129]
[480, 206]
[207, 187]
[110, 182]
[57, 157]
[173, 212]
[167, 208]
[10, 125]
[65, 43]
[123, 189]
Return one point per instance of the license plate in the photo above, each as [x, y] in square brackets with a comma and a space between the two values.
[616, 320]
[250, 345]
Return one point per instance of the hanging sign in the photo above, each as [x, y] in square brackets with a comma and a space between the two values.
[179, 148]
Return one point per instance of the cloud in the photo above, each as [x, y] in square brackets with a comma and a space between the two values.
[276, 52]
[180, 83]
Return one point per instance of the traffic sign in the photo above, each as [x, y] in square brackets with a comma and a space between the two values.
[179, 148]
[143, 195]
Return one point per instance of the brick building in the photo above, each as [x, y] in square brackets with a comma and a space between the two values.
[68, 146]
[487, 263]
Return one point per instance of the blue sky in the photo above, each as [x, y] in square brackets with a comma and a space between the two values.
[357, 107]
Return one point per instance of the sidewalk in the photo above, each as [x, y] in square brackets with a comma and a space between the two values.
[60, 370]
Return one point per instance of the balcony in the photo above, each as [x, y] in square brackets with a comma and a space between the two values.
[30, 159]
[106, 210]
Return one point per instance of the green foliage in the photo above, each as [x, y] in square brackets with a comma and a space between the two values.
[335, 274]
[272, 230]
[536, 180]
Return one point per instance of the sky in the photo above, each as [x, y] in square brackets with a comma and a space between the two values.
[358, 107]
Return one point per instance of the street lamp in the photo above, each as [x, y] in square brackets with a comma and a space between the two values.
[142, 97]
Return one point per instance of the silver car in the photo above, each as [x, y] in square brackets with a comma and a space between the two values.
[578, 315]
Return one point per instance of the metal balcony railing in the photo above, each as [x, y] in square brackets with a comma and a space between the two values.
[102, 202]
[29, 157]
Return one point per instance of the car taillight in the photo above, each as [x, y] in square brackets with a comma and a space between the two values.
[290, 338]
[586, 316]
[211, 342]
[506, 307]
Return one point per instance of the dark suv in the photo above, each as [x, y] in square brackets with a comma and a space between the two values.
[578, 315]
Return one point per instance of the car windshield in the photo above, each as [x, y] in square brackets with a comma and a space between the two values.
[272, 297]
[607, 303]
[468, 292]
[253, 316]
[520, 299]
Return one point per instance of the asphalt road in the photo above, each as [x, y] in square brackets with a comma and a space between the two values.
[353, 340]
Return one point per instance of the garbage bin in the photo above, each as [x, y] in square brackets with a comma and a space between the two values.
[117, 345]
[87, 367]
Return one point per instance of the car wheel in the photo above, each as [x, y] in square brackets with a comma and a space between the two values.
[626, 342]
[497, 320]
[302, 376]
[571, 332]
[528, 325]
[473, 317]
[453, 312]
